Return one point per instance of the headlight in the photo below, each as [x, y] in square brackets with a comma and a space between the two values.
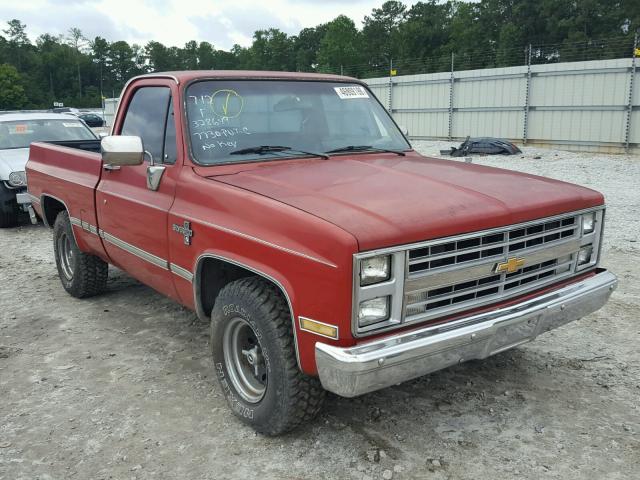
[17, 179]
[588, 222]
[373, 311]
[584, 255]
[375, 270]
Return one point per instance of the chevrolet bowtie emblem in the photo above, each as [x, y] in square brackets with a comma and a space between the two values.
[512, 265]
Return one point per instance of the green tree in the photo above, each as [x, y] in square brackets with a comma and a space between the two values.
[78, 42]
[206, 56]
[12, 94]
[380, 32]
[423, 37]
[123, 61]
[468, 39]
[419, 39]
[272, 49]
[100, 56]
[189, 56]
[306, 46]
[340, 47]
[18, 41]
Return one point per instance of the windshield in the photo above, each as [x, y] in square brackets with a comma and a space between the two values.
[20, 133]
[230, 115]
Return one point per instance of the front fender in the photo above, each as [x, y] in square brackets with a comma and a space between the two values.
[307, 258]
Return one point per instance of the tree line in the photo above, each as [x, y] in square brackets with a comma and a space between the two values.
[431, 35]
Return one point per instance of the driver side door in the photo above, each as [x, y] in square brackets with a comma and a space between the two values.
[134, 218]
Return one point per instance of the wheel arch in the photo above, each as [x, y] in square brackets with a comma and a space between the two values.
[51, 207]
[213, 272]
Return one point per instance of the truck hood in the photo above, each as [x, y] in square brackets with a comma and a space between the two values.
[385, 200]
[12, 160]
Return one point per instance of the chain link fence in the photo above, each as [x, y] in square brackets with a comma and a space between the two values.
[593, 49]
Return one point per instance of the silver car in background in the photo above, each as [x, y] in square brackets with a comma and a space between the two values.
[17, 132]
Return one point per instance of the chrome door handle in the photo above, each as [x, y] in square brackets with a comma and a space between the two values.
[108, 166]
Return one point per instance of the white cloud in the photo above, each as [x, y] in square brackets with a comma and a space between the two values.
[174, 22]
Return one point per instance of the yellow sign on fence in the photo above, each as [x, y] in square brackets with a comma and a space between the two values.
[636, 52]
[393, 72]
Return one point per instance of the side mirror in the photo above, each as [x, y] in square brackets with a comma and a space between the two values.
[404, 130]
[120, 150]
[102, 135]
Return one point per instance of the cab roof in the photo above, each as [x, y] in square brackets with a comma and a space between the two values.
[189, 75]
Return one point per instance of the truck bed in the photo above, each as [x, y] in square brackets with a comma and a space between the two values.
[67, 173]
[87, 145]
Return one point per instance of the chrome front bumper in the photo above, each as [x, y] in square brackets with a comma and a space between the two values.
[370, 366]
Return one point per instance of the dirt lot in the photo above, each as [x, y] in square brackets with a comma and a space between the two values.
[121, 386]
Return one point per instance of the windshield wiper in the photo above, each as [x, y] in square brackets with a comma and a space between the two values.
[262, 149]
[364, 148]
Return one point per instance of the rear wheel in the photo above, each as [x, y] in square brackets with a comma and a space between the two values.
[255, 360]
[82, 275]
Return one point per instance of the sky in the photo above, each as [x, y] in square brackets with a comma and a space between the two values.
[174, 22]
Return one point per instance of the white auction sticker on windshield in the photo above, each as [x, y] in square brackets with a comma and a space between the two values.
[72, 125]
[352, 91]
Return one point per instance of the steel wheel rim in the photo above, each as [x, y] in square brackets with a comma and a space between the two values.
[244, 360]
[65, 254]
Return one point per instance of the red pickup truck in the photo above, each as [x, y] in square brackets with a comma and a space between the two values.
[291, 212]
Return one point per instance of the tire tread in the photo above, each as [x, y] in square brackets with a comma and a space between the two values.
[90, 272]
[305, 396]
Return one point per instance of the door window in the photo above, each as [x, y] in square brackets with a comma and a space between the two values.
[146, 118]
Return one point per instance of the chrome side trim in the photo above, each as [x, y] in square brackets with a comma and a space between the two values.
[181, 272]
[370, 366]
[138, 252]
[198, 302]
[86, 226]
[259, 240]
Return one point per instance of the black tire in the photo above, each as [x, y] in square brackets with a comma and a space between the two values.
[9, 210]
[289, 397]
[82, 275]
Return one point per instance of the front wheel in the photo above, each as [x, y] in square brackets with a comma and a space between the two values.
[82, 275]
[255, 361]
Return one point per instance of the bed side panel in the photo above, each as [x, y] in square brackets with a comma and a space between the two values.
[69, 175]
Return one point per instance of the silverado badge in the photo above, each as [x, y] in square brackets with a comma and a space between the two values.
[510, 266]
[185, 231]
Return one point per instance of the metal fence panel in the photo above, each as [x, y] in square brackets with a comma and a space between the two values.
[576, 105]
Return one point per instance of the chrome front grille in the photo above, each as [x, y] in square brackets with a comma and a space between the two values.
[446, 276]
[487, 288]
[450, 275]
[450, 253]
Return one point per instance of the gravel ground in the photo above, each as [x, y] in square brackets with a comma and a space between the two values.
[121, 386]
